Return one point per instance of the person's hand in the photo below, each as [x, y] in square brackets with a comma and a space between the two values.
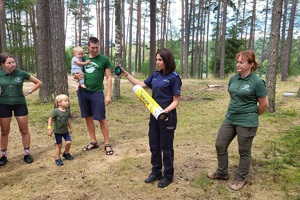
[87, 61]
[50, 132]
[124, 72]
[107, 100]
[25, 93]
[70, 131]
[78, 75]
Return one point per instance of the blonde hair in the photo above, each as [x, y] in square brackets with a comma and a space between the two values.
[77, 49]
[59, 98]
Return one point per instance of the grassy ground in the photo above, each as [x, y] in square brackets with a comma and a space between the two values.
[274, 172]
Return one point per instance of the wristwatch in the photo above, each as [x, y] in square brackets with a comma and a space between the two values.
[29, 91]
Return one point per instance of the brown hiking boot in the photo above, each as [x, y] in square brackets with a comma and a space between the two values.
[237, 184]
[215, 175]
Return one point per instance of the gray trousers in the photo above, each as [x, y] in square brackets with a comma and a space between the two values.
[245, 136]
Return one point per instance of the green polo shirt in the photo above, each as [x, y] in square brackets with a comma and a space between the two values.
[11, 87]
[94, 73]
[60, 121]
[243, 109]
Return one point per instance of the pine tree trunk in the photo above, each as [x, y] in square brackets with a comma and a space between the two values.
[273, 54]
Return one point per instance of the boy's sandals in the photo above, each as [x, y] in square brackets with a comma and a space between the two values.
[92, 145]
[110, 151]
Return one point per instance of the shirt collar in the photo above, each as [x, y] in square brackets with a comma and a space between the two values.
[245, 78]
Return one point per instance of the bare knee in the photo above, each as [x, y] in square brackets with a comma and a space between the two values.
[5, 132]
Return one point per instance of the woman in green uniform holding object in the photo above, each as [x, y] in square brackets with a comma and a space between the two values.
[248, 100]
[12, 100]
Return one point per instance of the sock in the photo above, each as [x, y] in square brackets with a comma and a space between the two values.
[27, 151]
[3, 152]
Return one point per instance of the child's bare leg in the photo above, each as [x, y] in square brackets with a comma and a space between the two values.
[57, 151]
[67, 146]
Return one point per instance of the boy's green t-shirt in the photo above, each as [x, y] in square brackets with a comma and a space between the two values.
[60, 120]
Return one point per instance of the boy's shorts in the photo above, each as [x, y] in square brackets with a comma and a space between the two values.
[58, 137]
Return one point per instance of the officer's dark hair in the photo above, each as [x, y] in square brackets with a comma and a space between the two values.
[168, 59]
[4, 56]
[93, 40]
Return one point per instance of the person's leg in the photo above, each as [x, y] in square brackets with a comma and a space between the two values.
[58, 145]
[166, 146]
[23, 127]
[66, 153]
[104, 130]
[58, 151]
[99, 114]
[226, 134]
[68, 146]
[154, 143]
[92, 133]
[85, 104]
[245, 138]
[167, 129]
[5, 120]
[91, 128]
[5, 129]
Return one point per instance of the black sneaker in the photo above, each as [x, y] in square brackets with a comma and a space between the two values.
[164, 182]
[152, 178]
[3, 160]
[67, 156]
[59, 162]
[28, 159]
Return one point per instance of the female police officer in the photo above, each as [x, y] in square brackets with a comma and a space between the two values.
[165, 84]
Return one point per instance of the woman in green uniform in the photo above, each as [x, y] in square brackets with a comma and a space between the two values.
[12, 101]
[248, 100]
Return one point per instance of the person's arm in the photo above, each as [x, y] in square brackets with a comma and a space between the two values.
[173, 105]
[50, 120]
[263, 104]
[82, 63]
[70, 125]
[109, 85]
[131, 79]
[37, 85]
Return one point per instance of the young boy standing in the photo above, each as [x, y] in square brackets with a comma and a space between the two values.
[60, 116]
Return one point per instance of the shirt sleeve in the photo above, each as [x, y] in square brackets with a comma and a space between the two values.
[261, 89]
[176, 86]
[53, 114]
[148, 81]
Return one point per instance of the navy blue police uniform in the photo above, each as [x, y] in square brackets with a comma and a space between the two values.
[161, 133]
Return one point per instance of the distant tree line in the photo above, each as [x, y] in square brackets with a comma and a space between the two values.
[204, 36]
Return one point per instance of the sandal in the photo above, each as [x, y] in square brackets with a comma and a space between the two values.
[108, 152]
[92, 145]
